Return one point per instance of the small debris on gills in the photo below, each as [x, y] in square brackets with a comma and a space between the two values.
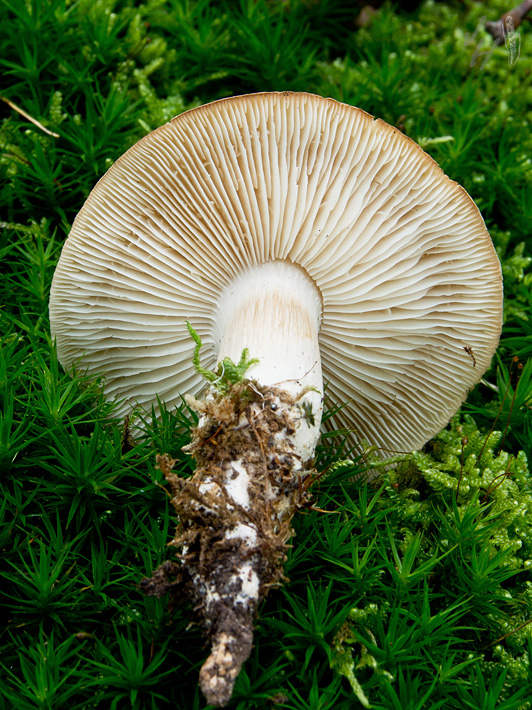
[234, 521]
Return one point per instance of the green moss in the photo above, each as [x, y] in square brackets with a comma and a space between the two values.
[464, 468]
[227, 373]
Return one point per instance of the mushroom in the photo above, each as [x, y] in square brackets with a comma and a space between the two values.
[316, 237]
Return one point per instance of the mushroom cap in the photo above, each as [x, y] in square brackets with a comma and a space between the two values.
[410, 282]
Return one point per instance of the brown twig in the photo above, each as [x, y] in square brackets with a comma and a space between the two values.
[22, 160]
[510, 633]
[509, 21]
[502, 476]
[28, 117]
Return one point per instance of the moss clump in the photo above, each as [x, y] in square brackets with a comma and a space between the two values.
[460, 470]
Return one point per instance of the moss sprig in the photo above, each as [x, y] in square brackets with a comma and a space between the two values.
[227, 373]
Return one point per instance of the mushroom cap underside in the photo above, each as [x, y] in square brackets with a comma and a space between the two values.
[409, 280]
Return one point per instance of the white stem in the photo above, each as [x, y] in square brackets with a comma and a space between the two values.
[274, 310]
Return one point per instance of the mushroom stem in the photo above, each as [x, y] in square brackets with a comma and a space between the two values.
[234, 518]
[274, 311]
[252, 445]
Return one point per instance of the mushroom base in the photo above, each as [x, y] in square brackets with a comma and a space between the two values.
[235, 517]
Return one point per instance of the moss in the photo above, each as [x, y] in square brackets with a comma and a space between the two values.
[463, 467]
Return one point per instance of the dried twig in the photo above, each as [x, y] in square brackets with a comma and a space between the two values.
[509, 21]
[28, 117]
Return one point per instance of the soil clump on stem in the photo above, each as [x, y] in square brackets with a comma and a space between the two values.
[234, 519]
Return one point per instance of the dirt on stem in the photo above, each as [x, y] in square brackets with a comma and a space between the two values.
[234, 521]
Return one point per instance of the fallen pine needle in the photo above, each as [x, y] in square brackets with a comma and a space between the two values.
[30, 118]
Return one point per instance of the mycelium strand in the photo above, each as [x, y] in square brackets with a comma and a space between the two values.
[254, 441]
